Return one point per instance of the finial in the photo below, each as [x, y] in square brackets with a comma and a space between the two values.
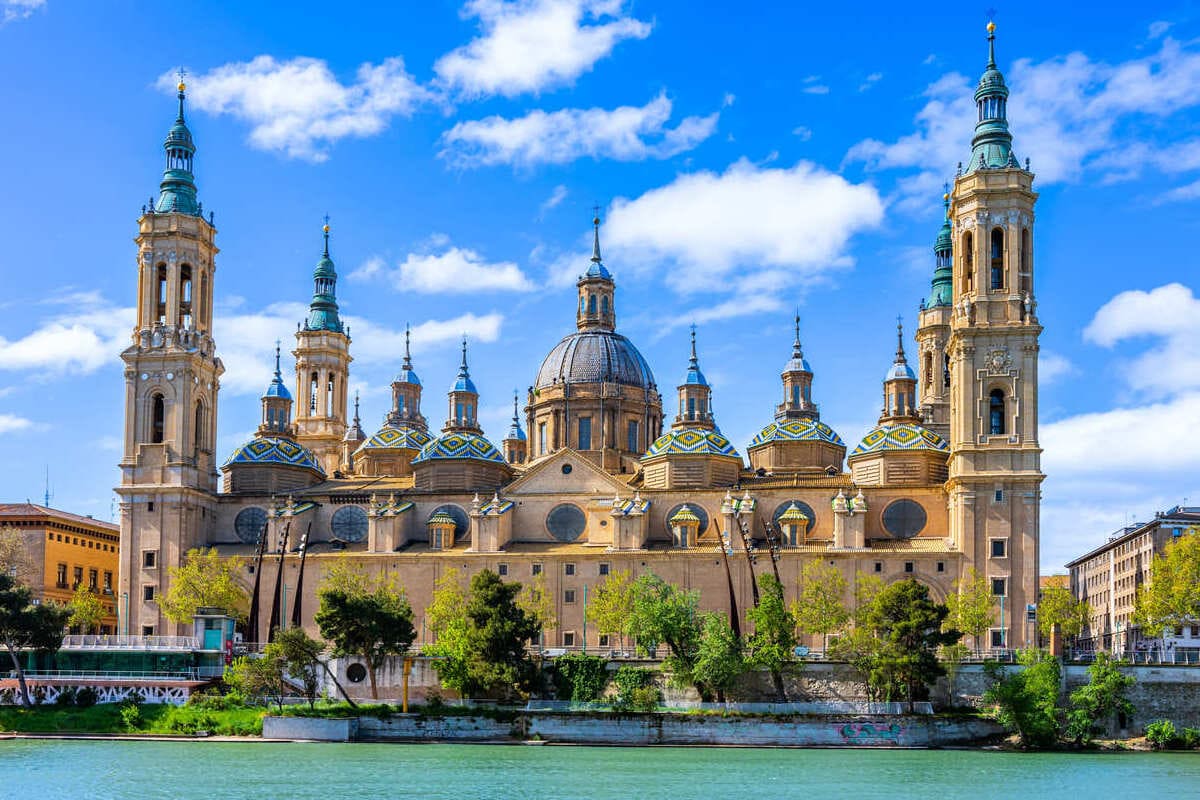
[596, 234]
[991, 29]
[277, 375]
[693, 359]
[182, 87]
[407, 353]
[325, 230]
[463, 366]
[515, 420]
[796, 351]
[900, 340]
[356, 421]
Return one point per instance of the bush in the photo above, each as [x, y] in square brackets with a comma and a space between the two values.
[86, 697]
[1161, 734]
[66, 697]
[636, 689]
[581, 678]
[131, 716]
[1191, 738]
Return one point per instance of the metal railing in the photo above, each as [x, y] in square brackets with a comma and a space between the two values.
[1180, 656]
[109, 675]
[114, 641]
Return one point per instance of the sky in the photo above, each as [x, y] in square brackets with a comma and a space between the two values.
[747, 161]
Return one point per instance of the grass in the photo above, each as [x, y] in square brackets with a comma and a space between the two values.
[151, 719]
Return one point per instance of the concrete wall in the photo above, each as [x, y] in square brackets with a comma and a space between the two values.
[313, 728]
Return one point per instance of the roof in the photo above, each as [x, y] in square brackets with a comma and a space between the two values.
[797, 430]
[274, 451]
[14, 511]
[1178, 516]
[595, 356]
[692, 441]
[904, 436]
[685, 514]
[397, 437]
[460, 445]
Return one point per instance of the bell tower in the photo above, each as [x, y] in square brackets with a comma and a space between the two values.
[995, 461]
[172, 377]
[933, 332]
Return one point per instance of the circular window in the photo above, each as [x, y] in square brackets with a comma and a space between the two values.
[697, 509]
[904, 519]
[566, 469]
[461, 523]
[566, 522]
[356, 673]
[805, 509]
[349, 524]
[249, 524]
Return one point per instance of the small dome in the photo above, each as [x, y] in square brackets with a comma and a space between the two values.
[395, 438]
[684, 516]
[325, 268]
[906, 436]
[463, 383]
[598, 270]
[797, 430]
[793, 514]
[795, 364]
[691, 441]
[901, 371]
[592, 357]
[273, 450]
[460, 445]
[277, 389]
[180, 136]
[407, 375]
[441, 518]
[515, 432]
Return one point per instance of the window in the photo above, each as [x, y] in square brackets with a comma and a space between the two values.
[1026, 278]
[631, 442]
[998, 497]
[76, 577]
[158, 416]
[502, 569]
[996, 412]
[691, 408]
[569, 596]
[585, 433]
[61, 582]
[108, 576]
[94, 580]
[150, 505]
[537, 569]
[997, 259]
[591, 304]
[604, 640]
[542, 438]
[997, 638]
[879, 566]
[604, 305]
[568, 638]
[147, 630]
[149, 559]
[568, 569]
[148, 592]
[999, 550]
[908, 566]
[998, 586]
[941, 566]
[968, 262]
[198, 429]
[796, 395]
[604, 568]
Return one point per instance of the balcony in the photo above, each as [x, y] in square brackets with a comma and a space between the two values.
[113, 641]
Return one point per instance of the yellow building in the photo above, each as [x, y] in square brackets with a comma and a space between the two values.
[65, 551]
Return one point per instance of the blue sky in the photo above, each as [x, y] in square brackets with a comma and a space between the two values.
[745, 165]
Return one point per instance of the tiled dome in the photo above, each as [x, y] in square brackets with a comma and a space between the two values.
[592, 357]
[389, 437]
[274, 450]
[460, 445]
[797, 430]
[905, 436]
[691, 441]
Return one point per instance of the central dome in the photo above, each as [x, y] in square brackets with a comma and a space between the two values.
[595, 356]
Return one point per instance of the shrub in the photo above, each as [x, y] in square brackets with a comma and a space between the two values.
[1191, 738]
[86, 697]
[131, 716]
[636, 689]
[1161, 734]
[66, 697]
[581, 678]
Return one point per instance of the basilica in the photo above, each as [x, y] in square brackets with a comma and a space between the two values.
[597, 473]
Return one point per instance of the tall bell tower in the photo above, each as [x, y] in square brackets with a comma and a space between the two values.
[172, 376]
[995, 461]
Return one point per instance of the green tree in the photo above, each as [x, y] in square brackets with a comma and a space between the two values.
[719, 662]
[581, 677]
[24, 625]
[301, 659]
[909, 627]
[259, 679]
[1026, 700]
[446, 617]
[536, 601]
[611, 604]
[867, 587]
[1101, 698]
[86, 609]
[1172, 597]
[205, 580]
[821, 608]
[952, 656]
[1057, 606]
[971, 607]
[370, 619]
[664, 614]
[772, 644]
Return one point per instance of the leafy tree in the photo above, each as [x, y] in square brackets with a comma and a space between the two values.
[15, 560]
[909, 627]
[1101, 698]
[86, 609]
[773, 642]
[611, 604]
[1172, 597]
[719, 661]
[205, 580]
[24, 625]
[970, 605]
[952, 656]
[664, 614]
[636, 689]
[821, 608]
[867, 587]
[582, 677]
[1057, 606]
[1027, 700]
[860, 648]
[446, 616]
[536, 601]
[259, 679]
[301, 660]
[371, 619]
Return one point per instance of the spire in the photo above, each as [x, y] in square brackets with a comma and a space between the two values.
[900, 385]
[694, 376]
[797, 362]
[695, 395]
[991, 29]
[323, 310]
[515, 432]
[277, 387]
[597, 269]
[177, 191]
[900, 359]
[991, 148]
[797, 353]
[464, 399]
[463, 382]
[407, 347]
[942, 288]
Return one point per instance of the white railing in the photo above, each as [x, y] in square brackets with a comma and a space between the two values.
[114, 641]
[109, 675]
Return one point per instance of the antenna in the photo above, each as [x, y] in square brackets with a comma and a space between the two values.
[47, 494]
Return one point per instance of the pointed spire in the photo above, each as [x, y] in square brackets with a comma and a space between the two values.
[277, 374]
[323, 310]
[693, 358]
[407, 347]
[694, 376]
[463, 383]
[797, 353]
[515, 432]
[356, 419]
[277, 387]
[597, 269]
[462, 369]
[991, 147]
[182, 87]
[900, 359]
[516, 420]
[177, 191]
[354, 433]
[991, 29]
[325, 230]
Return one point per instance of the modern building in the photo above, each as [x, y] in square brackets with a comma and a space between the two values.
[64, 551]
[596, 473]
[1109, 577]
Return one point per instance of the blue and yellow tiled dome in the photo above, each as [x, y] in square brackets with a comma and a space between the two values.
[460, 445]
[906, 436]
[797, 430]
[273, 450]
[402, 437]
[691, 441]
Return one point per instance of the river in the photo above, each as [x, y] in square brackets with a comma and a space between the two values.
[191, 770]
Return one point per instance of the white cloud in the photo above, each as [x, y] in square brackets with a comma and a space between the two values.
[299, 107]
[457, 270]
[812, 85]
[1158, 29]
[1052, 366]
[369, 269]
[626, 133]
[530, 45]
[557, 196]
[11, 422]
[76, 343]
[802, 132]
[870, 81]
[746, 219]
[1136, 440]
[375, 343]
[11, 10]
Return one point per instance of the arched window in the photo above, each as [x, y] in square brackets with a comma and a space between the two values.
[582, 304]
[185, 296]
[591, 304]
[1026, 277]
[968, 262]
[329, 396]
[160, 311]
[198, 429]
[604, 305]
[996, 412]
[314, 387]
[158, 418]
[997, 259]
[928, 369]
[691, 408]
[796, 395]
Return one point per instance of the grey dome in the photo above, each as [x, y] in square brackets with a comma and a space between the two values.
[593, 357]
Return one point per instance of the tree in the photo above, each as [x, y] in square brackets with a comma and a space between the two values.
[536, 601]
[952, 656]
[205, 580]
[1027, 700]
[909, 627]
[773, 642]
[446, 617]
[821, 609]
[611, 604]
[24, 625]
[719, 660]
[86, 609]
[370, 619]
[867, 587]
[1057, 606]
[665, 614]
[301, 660]
[970, 606]
[1172, 597]
[1101, 698]
[15, 560]
[259, 678]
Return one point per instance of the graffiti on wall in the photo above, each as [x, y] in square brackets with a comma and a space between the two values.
[871, 733]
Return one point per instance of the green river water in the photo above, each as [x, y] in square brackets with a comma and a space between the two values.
[73, 770]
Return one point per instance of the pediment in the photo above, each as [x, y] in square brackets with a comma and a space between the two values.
[547, 476]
